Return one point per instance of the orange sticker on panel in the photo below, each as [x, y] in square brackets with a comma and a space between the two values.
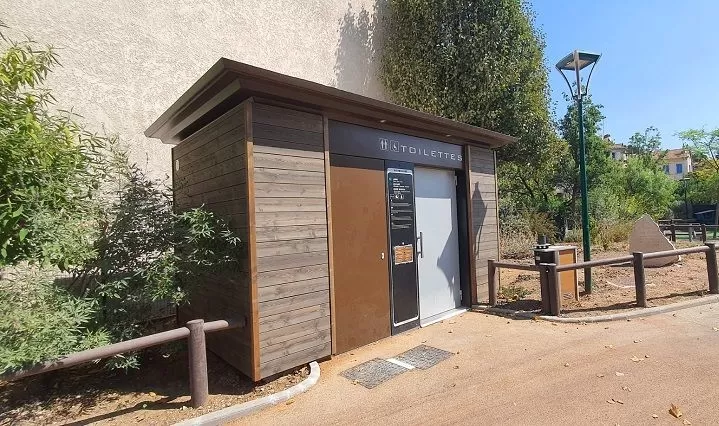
[403, 254]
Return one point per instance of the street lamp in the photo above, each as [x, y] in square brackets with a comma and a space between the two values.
[685, 181]
[577, 61]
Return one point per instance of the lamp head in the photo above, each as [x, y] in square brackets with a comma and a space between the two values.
[583, 60]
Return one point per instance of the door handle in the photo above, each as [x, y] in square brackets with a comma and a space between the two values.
[420, 250]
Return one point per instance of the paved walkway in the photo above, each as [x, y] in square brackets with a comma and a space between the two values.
[529, 372]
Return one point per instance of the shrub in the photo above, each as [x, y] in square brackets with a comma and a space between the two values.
[513, 292]
[609, 232]
[146, 253]
[40, 322]
[49, 166]
[573, 236]
[127, 250]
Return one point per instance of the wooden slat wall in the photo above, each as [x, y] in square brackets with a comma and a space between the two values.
[209, 168]
[483, 191]
[291, 234]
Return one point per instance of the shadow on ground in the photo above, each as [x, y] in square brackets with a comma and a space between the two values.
[74, 392]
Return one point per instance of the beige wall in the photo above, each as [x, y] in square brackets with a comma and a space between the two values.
[125, 61]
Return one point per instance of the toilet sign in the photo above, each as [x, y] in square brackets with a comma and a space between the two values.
[351, 139]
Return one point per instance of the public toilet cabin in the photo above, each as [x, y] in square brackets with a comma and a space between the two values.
[361, 219]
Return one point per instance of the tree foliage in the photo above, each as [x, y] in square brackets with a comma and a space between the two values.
[646, 145]
[478, 62]
[127, 250]
[704, 185]
[40, 321]
[49, 166]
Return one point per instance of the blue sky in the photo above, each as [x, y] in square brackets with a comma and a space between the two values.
[659, 65]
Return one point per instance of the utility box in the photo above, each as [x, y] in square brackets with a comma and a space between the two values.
[560, 255]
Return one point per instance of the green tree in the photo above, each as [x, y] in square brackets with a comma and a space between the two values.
[127, 250]
[648, 189]
[49, 166]
[646, 145]
[601, 169]
[479, 62]
[704, 186]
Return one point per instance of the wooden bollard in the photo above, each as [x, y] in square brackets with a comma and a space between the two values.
[555, 291]
[545, 293]
[492, 282]
[712, 272]
[199, 390]
[639, 280]
[674, 232]
[704, 232]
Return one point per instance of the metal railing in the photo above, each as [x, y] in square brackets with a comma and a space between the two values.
[194, 331]
[549, 274]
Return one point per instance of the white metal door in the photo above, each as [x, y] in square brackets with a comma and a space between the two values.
[437, 243]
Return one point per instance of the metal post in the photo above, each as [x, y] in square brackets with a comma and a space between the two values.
[712, 272]
[199, 390]
[492, 282]
[639, 280]
[586, 243]
[555, 290]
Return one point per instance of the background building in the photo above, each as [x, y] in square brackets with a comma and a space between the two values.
[678, 163]
[124, 63]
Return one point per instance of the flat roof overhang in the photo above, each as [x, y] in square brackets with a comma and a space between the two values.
[227, 83]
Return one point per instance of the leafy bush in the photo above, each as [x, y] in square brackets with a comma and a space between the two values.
[49, 166]
[513, 292]
[40, 322]
[127, 250]
[146, 253]
[609, 232]
[573, 236]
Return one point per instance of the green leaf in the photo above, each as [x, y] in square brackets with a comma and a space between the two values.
[23, 233]
[17, 212]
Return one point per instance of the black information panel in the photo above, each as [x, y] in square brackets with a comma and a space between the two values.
[400, 193]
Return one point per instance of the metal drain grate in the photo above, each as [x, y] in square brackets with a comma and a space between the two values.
[424, 356]
[373, 372]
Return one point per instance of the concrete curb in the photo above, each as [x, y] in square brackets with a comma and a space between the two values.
[706, 300]
[245, 409]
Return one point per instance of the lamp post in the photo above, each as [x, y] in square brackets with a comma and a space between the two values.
[577, 61]
[685, 181]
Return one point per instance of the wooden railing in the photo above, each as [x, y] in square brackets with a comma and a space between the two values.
[194, 332]
[549, 274]
[692, 230]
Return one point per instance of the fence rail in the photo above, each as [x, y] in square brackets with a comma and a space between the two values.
[194, 331]
[549, 274]
[689, 229]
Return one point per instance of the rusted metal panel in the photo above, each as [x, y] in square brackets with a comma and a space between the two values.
[359, 229]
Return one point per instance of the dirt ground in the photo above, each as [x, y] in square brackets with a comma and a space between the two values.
[613, 286]
[157, 394]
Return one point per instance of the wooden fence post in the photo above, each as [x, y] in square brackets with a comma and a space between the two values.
[712, 272]
[704, 232]
[492, 282]
[546, 294]
[674, 232]
[555, 290]
[639, 280]
[690, 231]
[199, 390]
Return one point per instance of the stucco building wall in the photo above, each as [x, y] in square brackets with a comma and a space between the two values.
[125, 61]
